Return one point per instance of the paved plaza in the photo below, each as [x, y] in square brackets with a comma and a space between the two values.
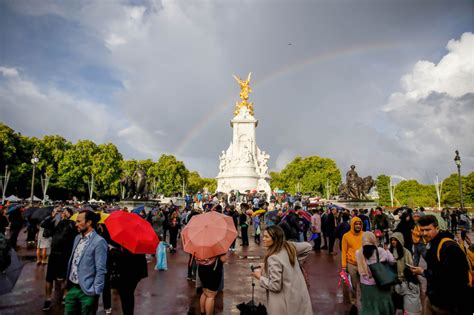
[168, 292]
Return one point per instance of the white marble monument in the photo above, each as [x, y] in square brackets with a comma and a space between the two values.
[243, 166]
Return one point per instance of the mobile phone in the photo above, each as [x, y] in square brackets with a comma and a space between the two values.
[411, 266]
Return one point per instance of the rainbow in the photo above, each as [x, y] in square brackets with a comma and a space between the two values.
[280, 72]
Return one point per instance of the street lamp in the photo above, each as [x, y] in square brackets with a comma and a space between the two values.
[34, 161]
[457, 160]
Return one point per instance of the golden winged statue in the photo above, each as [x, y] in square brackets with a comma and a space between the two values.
[245, 90]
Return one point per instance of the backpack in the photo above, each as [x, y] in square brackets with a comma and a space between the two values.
[5, 258]
[469, 264]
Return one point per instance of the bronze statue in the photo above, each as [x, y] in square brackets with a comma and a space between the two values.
[140, 183]
[355, 188]
[129, 185]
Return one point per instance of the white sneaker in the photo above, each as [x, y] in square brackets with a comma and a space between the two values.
[108, 311]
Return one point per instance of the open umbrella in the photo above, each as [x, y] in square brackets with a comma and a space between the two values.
[103, 216]
[29, 212]
[9, 276]
[132, 232]
[208, 235]
[13, 208]
[258, 212]
[41, 213]
[305, 215]
[138, 209]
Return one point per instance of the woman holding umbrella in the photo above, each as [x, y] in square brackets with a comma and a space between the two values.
[287, 292]
[210, 273]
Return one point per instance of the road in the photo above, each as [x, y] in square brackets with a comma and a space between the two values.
[168, 292]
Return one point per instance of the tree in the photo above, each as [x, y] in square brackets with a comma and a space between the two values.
[450, 193]
[413, 194]
[383, 188]
[106, 170]
[75, 169]
[170, 173]
[309, 174]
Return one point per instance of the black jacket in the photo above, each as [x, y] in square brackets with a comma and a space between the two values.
[447, 278]
[63, 235]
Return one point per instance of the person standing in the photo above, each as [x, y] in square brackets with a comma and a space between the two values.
[86, 267]
[351, 242]
[281, 277]
[3, 221]
[331, 229]
[324, 228]
[381, 223]
[243, 224]
[235, 218]
[16, 224]
[374, 299]
[447, 272]
[419, 243]
[174, 225]
[316, 229]
[61, 247]
[130, 269]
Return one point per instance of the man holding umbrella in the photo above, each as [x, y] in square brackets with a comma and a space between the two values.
[87, 266]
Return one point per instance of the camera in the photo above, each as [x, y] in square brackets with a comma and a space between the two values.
[252, 267]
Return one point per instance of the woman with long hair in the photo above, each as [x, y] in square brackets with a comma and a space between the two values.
[281, 277]
[403, 257]
[374, 300]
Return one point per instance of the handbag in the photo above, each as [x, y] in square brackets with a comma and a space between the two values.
[384, 273]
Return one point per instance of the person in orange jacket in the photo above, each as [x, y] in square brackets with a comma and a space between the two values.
[351, 242]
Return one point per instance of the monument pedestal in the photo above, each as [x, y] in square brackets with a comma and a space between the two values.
[243, 166]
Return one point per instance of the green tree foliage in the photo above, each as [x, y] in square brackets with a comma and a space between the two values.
[170, 173]
[309, 174]
[106, 170]
[450, 191]
[382, 183]
[197, 183]
[75, 169]
[414, 194]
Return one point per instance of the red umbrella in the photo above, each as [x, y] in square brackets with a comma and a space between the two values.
[305, 215]
[208, 235]
[132, 232]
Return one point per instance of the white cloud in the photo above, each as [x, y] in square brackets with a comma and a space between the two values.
[285, 157]
[27, 107]
[9, 72]
[434, 113]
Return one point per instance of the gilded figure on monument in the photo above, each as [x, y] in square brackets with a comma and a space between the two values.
[245, 90]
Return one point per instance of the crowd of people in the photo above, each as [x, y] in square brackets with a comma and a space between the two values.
[85, 263]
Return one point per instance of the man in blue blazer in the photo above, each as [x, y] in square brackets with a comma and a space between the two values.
[87, 266]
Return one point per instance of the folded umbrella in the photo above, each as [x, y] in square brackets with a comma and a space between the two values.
[9, 276]
[132, 232]
[208, 235]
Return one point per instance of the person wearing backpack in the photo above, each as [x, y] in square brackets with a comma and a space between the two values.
[447, 273]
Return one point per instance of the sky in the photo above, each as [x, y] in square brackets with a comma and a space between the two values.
[385, 85]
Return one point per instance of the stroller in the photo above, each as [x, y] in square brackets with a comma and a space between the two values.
[250, 308]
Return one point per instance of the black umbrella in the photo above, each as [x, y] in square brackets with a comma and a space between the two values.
[29, 212]
[41, 213]
[9, 276]
[250, 308]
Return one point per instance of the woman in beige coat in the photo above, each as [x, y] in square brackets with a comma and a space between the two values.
[287, 292]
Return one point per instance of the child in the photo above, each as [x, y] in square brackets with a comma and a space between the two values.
[161, 263]
[410, 290]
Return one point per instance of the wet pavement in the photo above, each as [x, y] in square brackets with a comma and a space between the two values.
[169, 292]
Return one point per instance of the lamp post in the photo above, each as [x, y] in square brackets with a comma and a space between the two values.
[457, 160]
[34, 161]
